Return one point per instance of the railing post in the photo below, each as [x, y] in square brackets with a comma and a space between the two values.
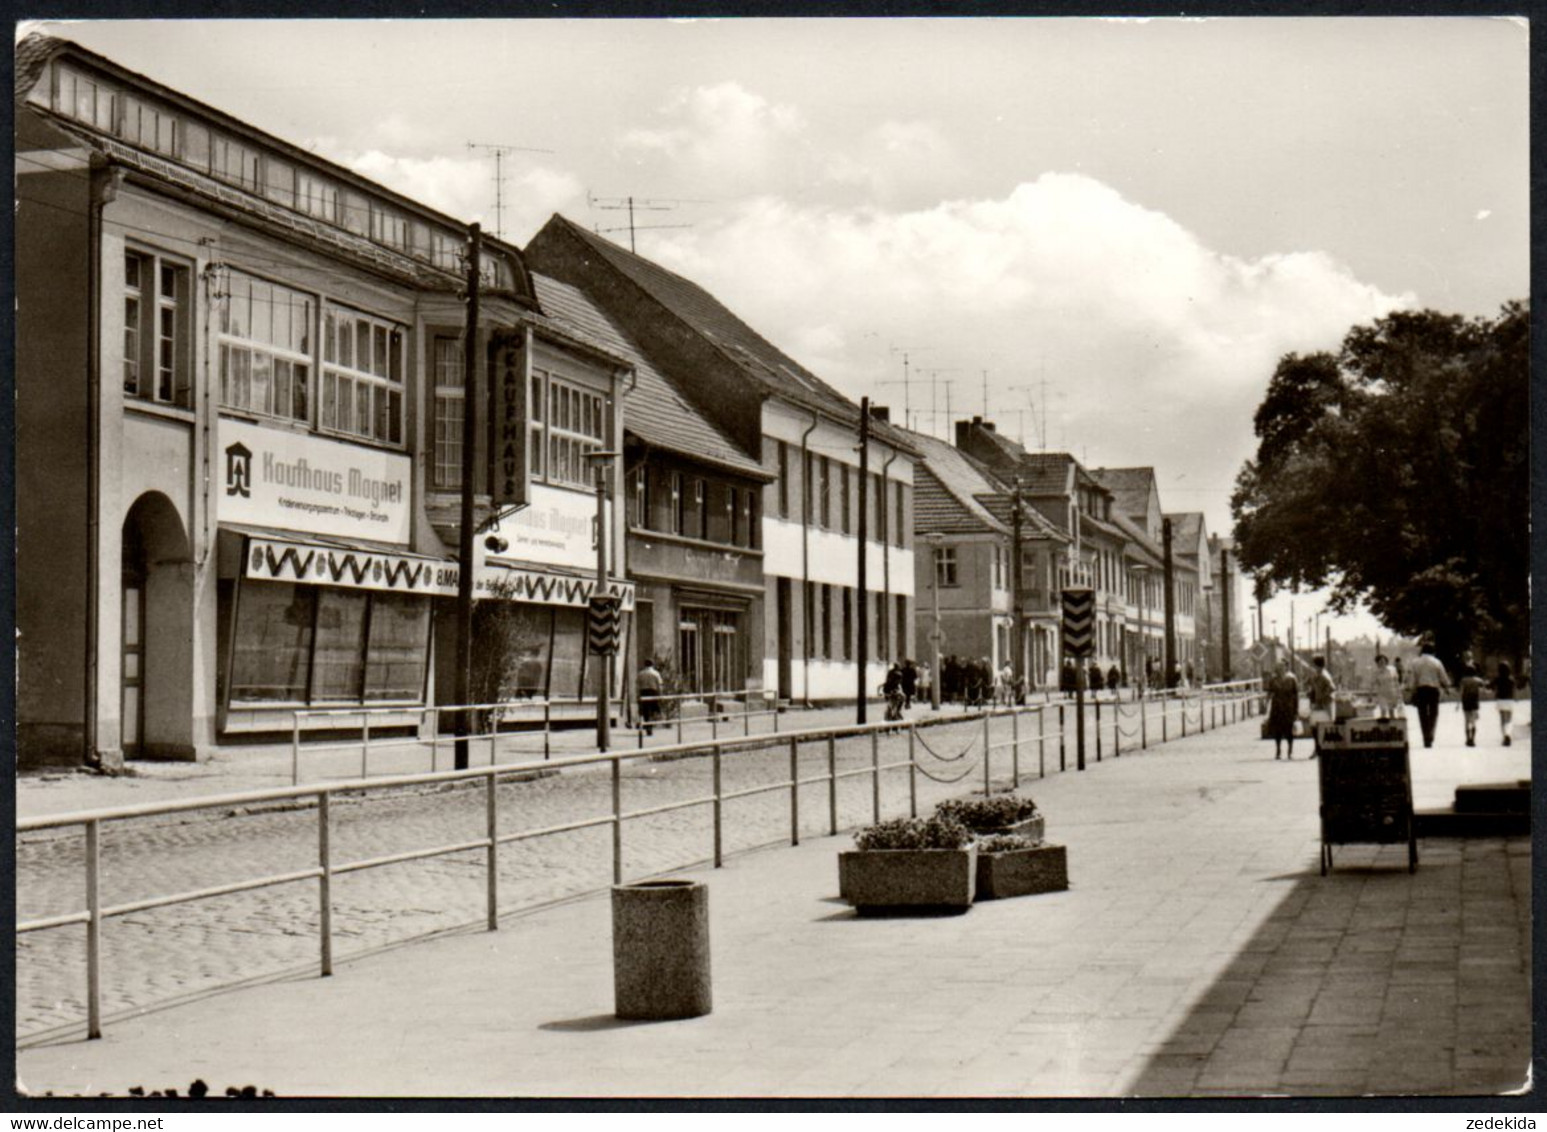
[746, 713]
[547, 729]
[1144, 715]
[1015, 750]
[1165, 711]
[987, 715]
[794, 792]
[776, 715]
[714, 720]
[494, 735]
[325, 881]
[1097, 701]
[492, 821]
[295, 748]
[1042, 741]
[617, 820]
[365, 744]
[718, 802]
[93, 931]
[875, 776]
[1062, 764]
[434, 738]
[832, 786]
[913, 776]
[1183, 702]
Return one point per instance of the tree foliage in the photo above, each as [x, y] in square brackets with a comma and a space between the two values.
[1396, 472]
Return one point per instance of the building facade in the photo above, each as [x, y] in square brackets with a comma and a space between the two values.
[239, 392]
[805, 437]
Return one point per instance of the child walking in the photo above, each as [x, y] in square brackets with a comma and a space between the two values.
[1471, 693]
[1504, 696]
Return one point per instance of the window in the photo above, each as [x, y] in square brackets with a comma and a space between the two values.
[701, 508]
[784, 480]
[398, 648]
[843, 499]
[825, 493]
[265, 348]
[848, 623]
[86, 100]
[446, 429]
[883, 638]
[808, 489]
[810, 618]
[536, 410]
[273, 637]
[678, 513]
[827, 621]
[157, 310]
[149, 128]
[639, 498]
[389, 227]
[446, 251]
[338, 650]
[900, 528]
[235, 164]
[575, 426]
[902, 626]
[945, 566]
[749, 503]
[317, 197]
[279, 182]
[733, 515]
[362, 376]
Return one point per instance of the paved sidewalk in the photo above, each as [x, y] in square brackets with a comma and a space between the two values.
[1198, 952]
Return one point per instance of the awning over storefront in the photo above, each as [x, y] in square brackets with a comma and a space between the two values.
[261, 554]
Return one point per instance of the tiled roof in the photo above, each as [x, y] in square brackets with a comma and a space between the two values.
[960, 481]
[768, 367]
[1130, 487]
[1186, 530]
[1144, 547]
[653, 410]
[32, 55]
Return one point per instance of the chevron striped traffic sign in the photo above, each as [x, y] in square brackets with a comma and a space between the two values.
[604, 624]
[1079, 628]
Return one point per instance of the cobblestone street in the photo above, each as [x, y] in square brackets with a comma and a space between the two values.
[156, 956]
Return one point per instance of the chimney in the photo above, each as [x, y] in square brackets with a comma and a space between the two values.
[963, 433]
[881, 413]
[988, 426]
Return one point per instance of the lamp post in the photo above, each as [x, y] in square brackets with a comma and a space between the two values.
[1141, 571]
[604, 689]
[934, 541]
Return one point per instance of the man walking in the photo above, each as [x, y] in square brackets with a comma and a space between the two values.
[1428, 677]
[649, 696]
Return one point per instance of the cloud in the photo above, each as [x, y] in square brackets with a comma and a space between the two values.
[1160, 346]
[721, 139]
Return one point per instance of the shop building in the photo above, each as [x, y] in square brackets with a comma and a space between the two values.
[239, 386]
[692, 507]
[805, 436]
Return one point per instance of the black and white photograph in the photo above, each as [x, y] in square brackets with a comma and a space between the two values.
[822, 560]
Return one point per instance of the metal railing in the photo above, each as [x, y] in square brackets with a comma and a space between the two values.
[714, 713]
[97, 911]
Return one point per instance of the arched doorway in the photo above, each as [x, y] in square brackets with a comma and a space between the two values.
[156, 638]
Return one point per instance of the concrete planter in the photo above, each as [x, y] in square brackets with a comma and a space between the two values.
[660, 949]
[1033, 827]
[1022, 872]
[882, 881]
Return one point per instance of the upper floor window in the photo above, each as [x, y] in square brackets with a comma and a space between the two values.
[945, 566]
[235, 163]
[678, 514]
[446, 252]
[157, 310]
[146, 126]
[317, 197]
[446, 438]
[843, 498]
[576, 426]
[265, 347]
[87, 100]
[362, 375]
[900, 527]
[639, 498]
[824, 493]
[389, 228]
[279, 182]
[784, 480]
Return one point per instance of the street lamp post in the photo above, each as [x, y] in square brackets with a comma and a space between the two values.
[1141, 571]
[934, 541]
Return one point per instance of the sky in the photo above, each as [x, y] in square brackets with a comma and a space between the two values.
[1105, 233]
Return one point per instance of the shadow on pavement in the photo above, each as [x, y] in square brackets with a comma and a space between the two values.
[595, 1022]
[1371, 981]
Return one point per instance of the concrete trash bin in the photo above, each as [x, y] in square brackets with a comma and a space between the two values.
[660, 949]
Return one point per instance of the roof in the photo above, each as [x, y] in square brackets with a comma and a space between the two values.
[1146, 548]
[772, 371]
[32, 55]
[1040, 473]
[1186, 530]
[654, 411]
[1130, 487]
[945, 498]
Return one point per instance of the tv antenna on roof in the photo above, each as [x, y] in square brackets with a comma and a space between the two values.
[907, 380]
[500, 153]
[640, 204]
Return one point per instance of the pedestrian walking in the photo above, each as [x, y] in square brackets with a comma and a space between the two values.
[1114, 679]
[1321, 692]
[1283, 710]
[1504, 696]
[1429, 678]
[1388, 688]
[1471, 693]
[1093, 678]
[1068, 678]
[892, 690]
[926, 681]
[649, 683]
[910, 682]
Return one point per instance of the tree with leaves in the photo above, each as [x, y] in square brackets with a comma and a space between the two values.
[1396, 472]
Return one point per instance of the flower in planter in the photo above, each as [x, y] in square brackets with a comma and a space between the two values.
[994, 812]
[1007, 843]
[939, 832]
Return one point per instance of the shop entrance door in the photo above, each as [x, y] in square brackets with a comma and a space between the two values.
[132, 702]
[688, 656]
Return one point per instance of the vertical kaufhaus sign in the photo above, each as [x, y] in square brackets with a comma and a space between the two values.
[298, 482]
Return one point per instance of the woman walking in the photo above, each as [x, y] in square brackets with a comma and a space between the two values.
[1388, 689]
[1283, 710]
[1504, 696]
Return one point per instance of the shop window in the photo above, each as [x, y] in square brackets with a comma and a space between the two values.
[338, 664]
[157, 337]
[446, 429]
[567, 668]
[362, 375]
[273, 638]
[265, 348]
[398, 649]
